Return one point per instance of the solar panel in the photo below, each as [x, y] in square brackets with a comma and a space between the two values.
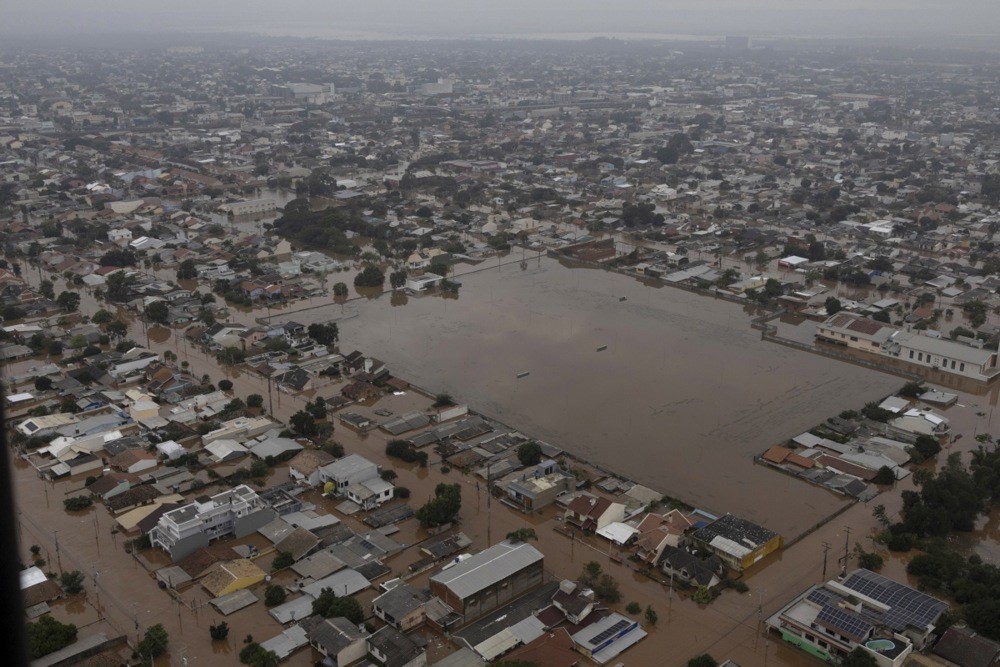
[613, 630]
[821, 596]
[845, 623]
[907, 606]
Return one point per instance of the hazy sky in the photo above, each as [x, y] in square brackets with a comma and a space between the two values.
[453, 18]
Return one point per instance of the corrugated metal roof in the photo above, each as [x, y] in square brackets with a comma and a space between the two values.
[488, 567]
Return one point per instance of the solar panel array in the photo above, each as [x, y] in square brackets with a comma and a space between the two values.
[907, 606]
[847, 624]
[610, 632]
[822, 597]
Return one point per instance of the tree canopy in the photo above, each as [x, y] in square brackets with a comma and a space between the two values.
[443, 507]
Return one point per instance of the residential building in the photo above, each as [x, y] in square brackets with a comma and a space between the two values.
[574, 601]
[738, 542]
[489, 579]
[553, 649]
[237, 512]
[690, 568]
[534, 489]
[370, 493]
[403, 606]
[337, 639]
[964, 648]
[855, 331]
[232, 576]
[394, 649]
[305, 466]
[886, 619]
[344, 472]
[659, 531]
[591, 513]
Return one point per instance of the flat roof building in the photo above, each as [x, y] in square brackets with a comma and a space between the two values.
[888, 620]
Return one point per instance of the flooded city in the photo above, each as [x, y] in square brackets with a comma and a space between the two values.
[565, 346]
[681, 400]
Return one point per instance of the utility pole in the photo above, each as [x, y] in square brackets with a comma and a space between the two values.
[847, 543]
[826, 549]
[489, 504]
[55, 536]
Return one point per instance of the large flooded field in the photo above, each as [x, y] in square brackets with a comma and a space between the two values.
[681, 399]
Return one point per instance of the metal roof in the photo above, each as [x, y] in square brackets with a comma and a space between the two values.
[488, 567]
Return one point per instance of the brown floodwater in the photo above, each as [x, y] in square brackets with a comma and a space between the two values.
[682, 398]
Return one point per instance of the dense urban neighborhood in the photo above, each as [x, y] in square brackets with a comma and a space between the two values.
[552, 353]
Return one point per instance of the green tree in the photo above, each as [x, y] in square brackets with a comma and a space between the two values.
[158, 312]
[522, 535]
[591, 572]
[274, 595]
[606, 589]
[255, 655]
[370, 276]
[219, 632]
[102, 317]
[530, 453]
[328, 605]
[925, 447]
[47, 635]
[833, 305]
[186, 270]
[703, 660]
[651, 616]
[702, 595]
[45, 289]
[868, 559]
[304, 423]
[154, 642]
[254, 400]
[340, 290]
[884, 476]
[69, 301]
[77, 503]
[324, 334]
[117, 329]
[72, 582]
[443, 400]
[225, 385]
[443, 508]
[231, 356]
[397, 279]
[118, 257]
[282, 560]
[119, 287]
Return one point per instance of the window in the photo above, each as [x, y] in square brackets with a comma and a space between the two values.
[952, 364]
[854, 339]
[920, 356]
[911, 354]
[962, 367]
